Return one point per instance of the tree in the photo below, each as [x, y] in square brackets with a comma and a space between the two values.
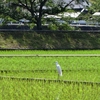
[95, 7]
[34, 10]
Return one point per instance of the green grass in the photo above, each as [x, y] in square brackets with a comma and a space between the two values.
[50, 52]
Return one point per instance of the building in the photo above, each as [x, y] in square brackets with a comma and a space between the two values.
[73, 4]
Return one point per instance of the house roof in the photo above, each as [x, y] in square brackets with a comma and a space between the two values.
[74, 4]
[65, 14]
[96, 14]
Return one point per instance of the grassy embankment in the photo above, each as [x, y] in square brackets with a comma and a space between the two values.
[47, 40]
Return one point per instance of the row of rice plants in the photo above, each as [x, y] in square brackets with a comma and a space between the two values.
[48, 63]
[74, 68]
[69, 75]
[49, 52]
[40, 90]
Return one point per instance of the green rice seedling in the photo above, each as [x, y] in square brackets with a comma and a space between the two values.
[47, 63]
[74, 68]
[45, 90]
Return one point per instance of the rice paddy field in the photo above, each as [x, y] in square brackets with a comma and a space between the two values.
[32, 75]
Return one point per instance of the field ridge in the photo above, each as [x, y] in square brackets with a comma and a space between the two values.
[49, 55]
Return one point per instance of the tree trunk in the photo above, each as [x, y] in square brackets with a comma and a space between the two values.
[39, 25]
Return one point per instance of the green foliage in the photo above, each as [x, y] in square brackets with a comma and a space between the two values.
[32, 9]
[95, 7]
[53, 26]
[65, 26]
[31, 25]
[56, 25]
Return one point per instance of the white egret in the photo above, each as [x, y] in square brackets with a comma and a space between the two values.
[58, 69]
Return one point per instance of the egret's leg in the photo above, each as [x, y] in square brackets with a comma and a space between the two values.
[58, 76]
